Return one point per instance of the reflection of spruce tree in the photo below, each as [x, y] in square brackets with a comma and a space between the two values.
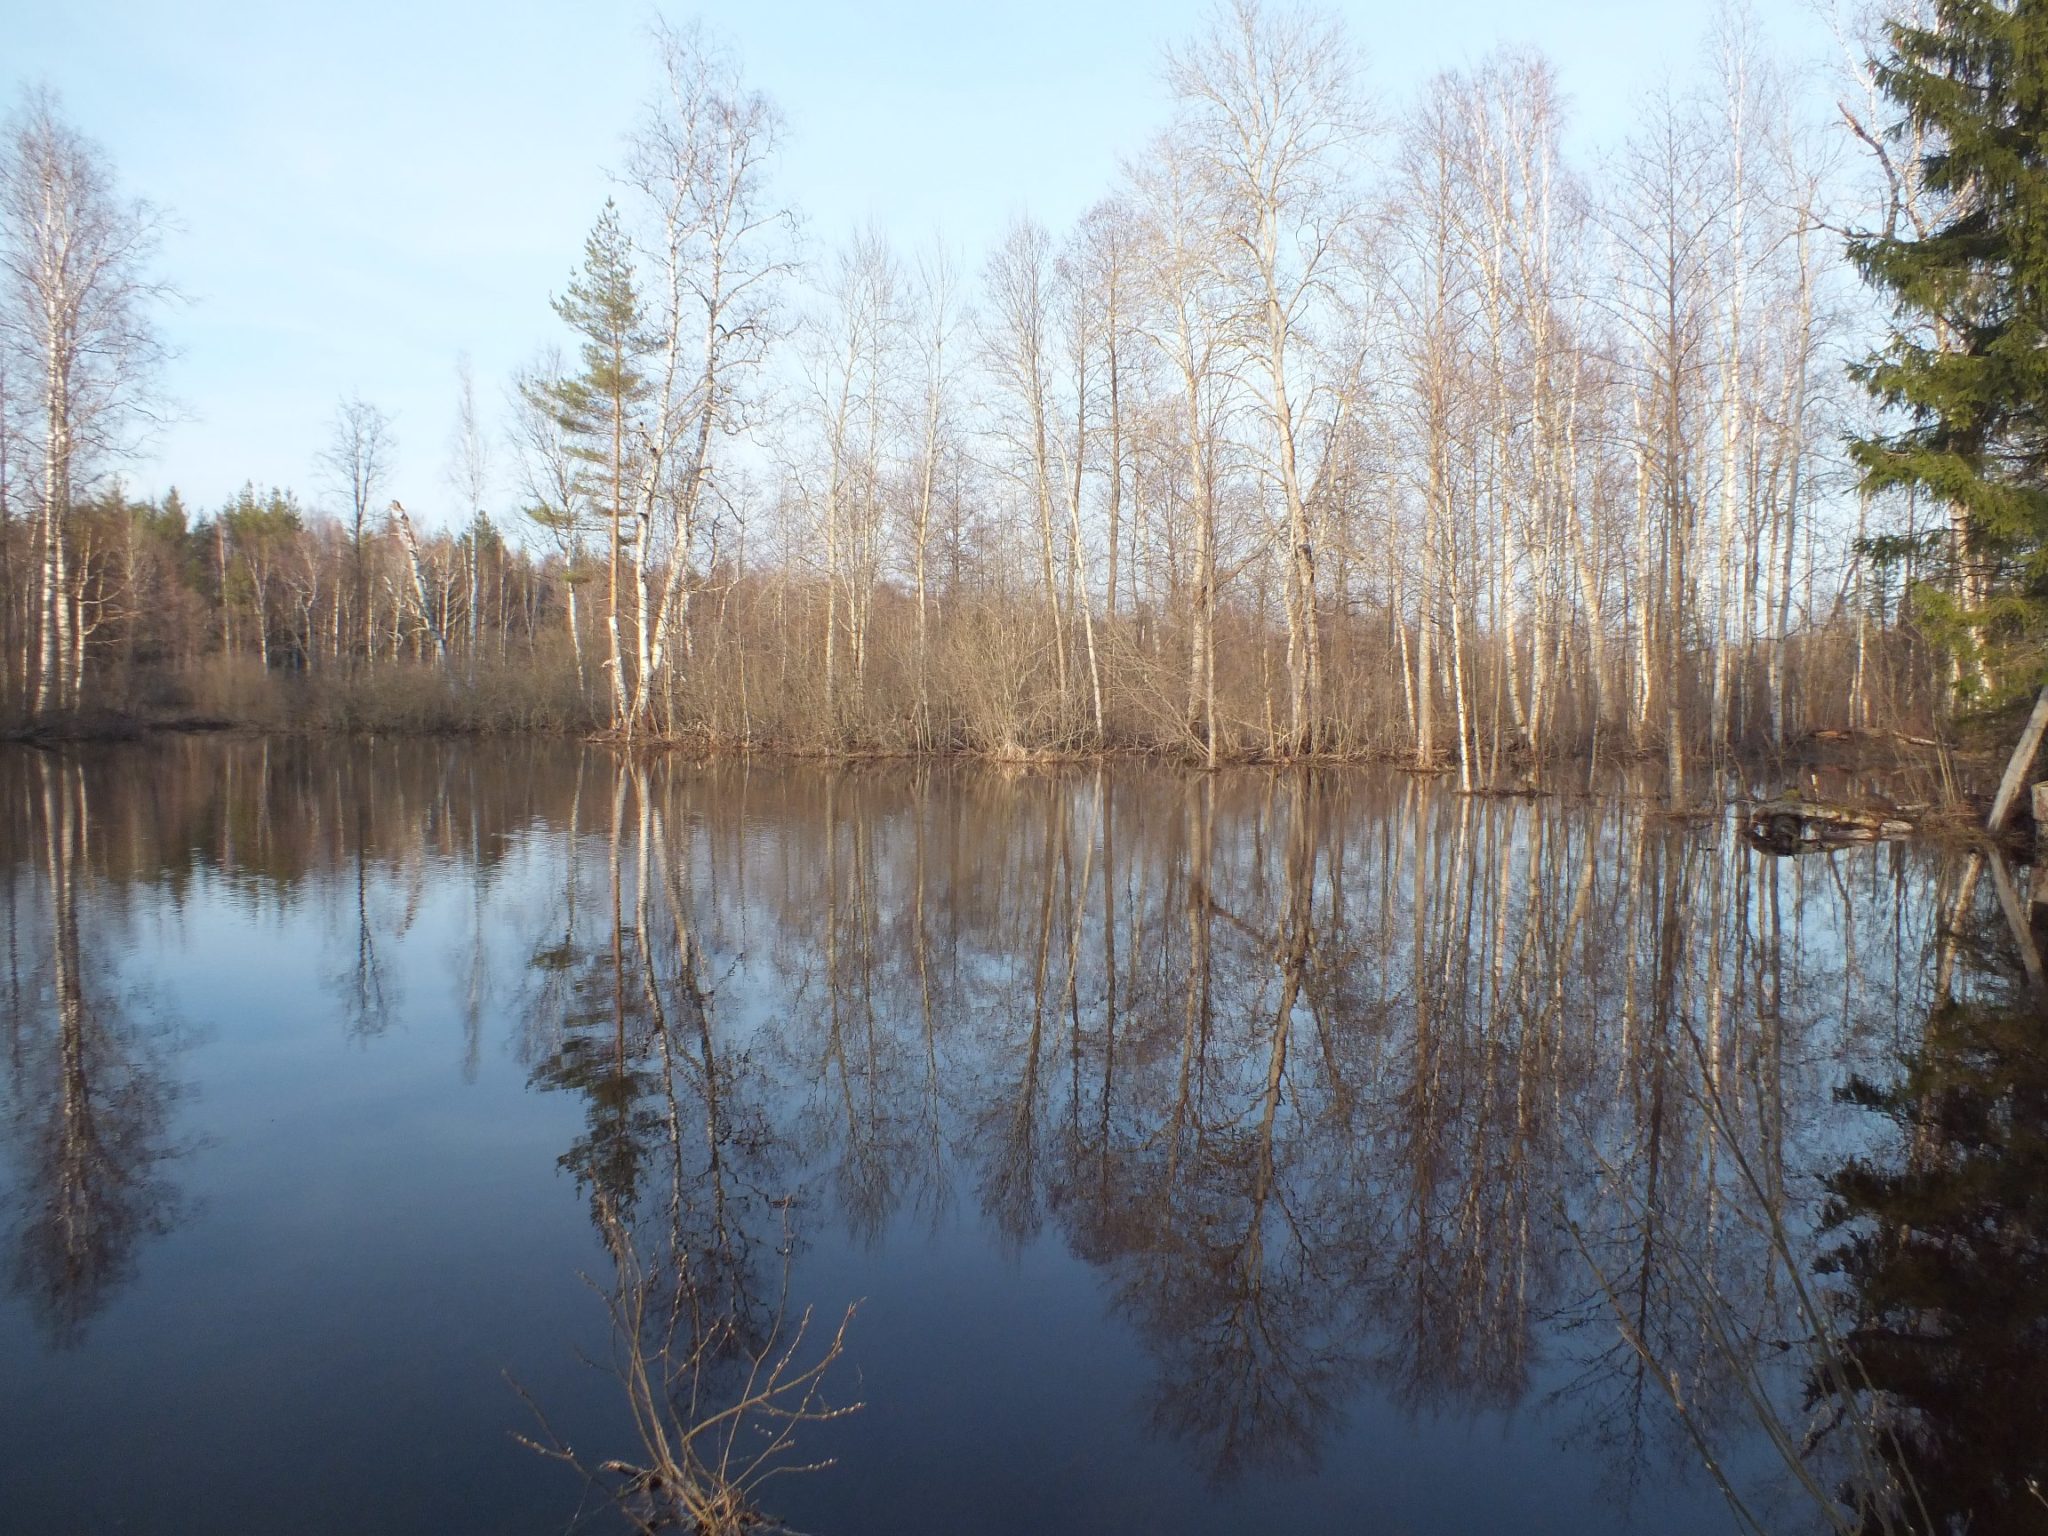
[96, 1113]
[1944, 1249]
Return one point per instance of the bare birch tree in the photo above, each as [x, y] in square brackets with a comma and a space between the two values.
[1269, 101]
[469, 479]
[715, 252]
[77, 300]
[937, 319]
[1017, 346]
[1183, 318]
[357, 459]
[1663, 233]
[853, 343]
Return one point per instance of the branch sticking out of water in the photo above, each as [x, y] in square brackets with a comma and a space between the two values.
[708, 1444]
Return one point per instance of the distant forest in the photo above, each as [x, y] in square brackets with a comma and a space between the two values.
[1350, 421]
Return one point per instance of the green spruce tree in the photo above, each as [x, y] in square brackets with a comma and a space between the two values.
[1967, 362]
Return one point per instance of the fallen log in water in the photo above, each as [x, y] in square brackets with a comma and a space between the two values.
[1821, 734]
[1792, 825]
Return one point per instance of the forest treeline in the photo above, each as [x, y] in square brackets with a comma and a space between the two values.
[1343, 423]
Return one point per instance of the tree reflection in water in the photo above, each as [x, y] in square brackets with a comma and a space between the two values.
[719, 1377]
[1939, 1242]
[91, 1098]
[1347, 1089]
[1337, 1081]
[1910, 1307]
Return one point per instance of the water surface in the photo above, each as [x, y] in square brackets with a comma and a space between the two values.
[1304, 1151]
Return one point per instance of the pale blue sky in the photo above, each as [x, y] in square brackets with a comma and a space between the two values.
[364, 191]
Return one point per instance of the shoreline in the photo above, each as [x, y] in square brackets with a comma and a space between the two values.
[1838, 749]
[1950, 809]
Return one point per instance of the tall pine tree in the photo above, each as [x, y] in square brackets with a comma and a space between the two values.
[602, 305]
[1967, 362]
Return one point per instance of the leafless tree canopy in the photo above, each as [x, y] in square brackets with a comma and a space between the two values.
[77, 302]
[1349, 421]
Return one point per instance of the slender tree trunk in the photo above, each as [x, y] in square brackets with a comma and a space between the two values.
[424, 609]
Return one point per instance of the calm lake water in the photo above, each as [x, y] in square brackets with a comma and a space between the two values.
[1297, 1152]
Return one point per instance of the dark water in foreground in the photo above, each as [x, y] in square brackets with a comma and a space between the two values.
[1303, 1153]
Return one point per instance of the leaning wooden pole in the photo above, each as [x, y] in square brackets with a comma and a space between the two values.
[2021, 762]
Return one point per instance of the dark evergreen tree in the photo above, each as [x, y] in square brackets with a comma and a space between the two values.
[1967, 362]
[1969, 353]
